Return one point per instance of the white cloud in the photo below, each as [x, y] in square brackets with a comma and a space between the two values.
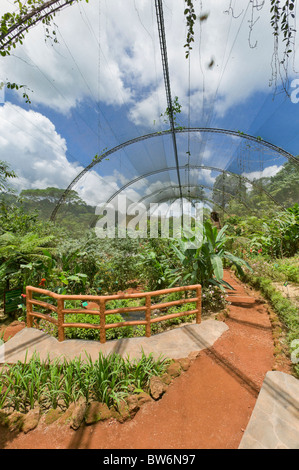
[110, 51]
[33, 147]
[265, 173]
[203, 176]
[62, 75]
[148, 110]
[37, 154]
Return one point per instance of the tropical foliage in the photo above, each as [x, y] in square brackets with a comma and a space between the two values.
[202, 255]
[258, 245]
[276, 236]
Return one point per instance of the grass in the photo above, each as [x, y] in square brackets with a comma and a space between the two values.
[58, 383]
[2, 337]
[280, 270]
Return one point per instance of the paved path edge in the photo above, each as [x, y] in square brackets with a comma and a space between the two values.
[274, 423]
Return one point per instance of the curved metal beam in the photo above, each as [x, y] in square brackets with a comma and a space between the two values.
[194, 167]
[204, 199]
[190, 196]
[264, 143]
[35, 16]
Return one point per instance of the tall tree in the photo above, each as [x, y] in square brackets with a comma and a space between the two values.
[51, 195]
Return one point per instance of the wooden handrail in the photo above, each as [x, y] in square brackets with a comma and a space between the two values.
[135, 295]
[173, 303]
[102, 312]
[40, 303]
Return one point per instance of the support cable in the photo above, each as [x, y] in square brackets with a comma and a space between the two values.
[163, 47]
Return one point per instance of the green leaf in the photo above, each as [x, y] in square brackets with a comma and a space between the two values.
[221, 233]
[217, 267]
[180, 255]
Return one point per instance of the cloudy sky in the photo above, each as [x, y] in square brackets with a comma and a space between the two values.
[102, 85]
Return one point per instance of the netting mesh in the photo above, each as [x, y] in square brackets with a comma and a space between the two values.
[218, 168]
[112, 91]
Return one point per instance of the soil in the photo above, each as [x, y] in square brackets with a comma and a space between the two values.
[206, 407]
[10, 329]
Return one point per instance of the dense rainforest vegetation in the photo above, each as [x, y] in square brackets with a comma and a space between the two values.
[67, 259]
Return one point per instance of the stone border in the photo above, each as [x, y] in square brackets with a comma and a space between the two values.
[82, 413]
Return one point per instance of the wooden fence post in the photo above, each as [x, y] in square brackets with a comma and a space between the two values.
[101, 301]
[198, 304]
[102, 321]
[148, 316]
[29, 307]
[60, 306]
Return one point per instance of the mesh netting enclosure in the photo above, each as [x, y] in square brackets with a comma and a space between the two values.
[220, 167]
[123, 112]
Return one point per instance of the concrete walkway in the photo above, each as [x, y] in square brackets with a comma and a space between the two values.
[274, 423]
[176, 344]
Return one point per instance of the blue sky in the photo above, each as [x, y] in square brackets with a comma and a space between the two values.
[102, 85]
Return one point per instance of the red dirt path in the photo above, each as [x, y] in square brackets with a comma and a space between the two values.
[207, 407]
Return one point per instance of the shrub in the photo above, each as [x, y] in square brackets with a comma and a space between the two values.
[93, 334]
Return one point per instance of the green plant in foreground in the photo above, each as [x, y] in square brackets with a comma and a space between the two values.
[202, 255]
[59, 382]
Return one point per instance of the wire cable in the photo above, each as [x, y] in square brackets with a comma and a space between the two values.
[163, 47]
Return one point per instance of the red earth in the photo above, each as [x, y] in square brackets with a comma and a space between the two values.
[206, 407]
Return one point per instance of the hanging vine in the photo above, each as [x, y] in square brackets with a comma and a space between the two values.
[283, 28]
[190, 16]
[14, 26]
[282, 22]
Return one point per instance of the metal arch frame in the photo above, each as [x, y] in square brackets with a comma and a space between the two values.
[37, 15]
[190, 196]
[91, 225]
[216, 204]
[204, 199]
[192, 167]
[40, 13]
[264, 143]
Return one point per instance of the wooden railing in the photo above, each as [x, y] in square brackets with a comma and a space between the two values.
[101, 300]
